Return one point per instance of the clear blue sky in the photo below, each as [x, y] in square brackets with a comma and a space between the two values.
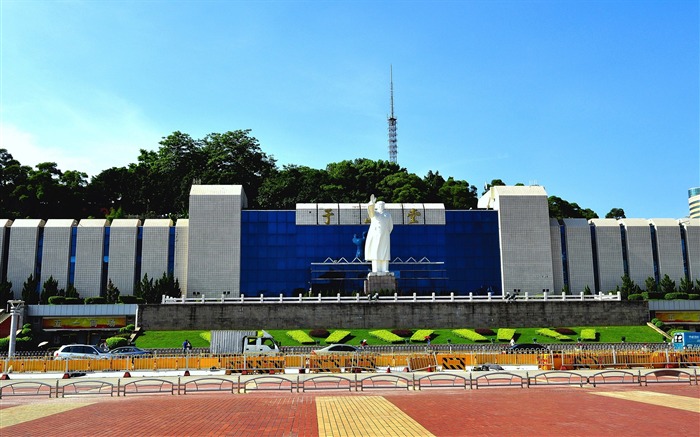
[598, 101]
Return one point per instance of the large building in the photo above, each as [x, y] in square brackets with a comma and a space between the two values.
[694, 202]
[225, 249]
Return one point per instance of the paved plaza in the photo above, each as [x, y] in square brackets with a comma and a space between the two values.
[611, 410]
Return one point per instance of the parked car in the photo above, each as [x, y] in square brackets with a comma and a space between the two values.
[129, 351]
[80, 351]
[526, 348]
[337, 349]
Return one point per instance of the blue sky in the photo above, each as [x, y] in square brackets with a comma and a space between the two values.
[598, 101]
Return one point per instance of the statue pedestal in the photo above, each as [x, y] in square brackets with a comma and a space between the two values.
[376, 282]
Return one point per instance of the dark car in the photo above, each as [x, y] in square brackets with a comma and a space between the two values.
[129, 351]
[526, 348]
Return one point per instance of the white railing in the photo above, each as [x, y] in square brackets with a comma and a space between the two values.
[395, 298]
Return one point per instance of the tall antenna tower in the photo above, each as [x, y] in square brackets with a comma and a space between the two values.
[393, 149]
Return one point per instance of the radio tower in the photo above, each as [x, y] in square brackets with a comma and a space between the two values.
[392, 123]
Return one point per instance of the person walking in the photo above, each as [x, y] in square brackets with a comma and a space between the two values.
[186, 346]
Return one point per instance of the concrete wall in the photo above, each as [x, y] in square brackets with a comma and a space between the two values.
[56, 251]
[155, 248]
[579, 251]
[392, 315]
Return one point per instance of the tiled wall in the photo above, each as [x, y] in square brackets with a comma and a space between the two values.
[580, 255]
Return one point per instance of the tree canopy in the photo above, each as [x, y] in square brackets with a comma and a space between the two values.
[159, 182]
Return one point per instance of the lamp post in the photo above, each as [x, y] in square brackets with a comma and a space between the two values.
[16, 306]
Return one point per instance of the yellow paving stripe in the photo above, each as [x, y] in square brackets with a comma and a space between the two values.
[364, 416]
[25, 413]
[654, 398]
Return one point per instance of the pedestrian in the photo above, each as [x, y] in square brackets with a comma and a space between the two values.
[512, 342]
[186, 346]
[103, 346]
[364, 343]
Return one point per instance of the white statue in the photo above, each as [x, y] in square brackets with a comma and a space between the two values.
[378, 244]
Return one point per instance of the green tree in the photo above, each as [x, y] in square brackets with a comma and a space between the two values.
[167, 285]
[112, 292]
[667, 285]
[291, 185]
[493, 183]
[560, 209]
[72, 292]
[147, 291]
[5, 293]
[685, 286]
[457, 194]
[628, 287]
[30, 296]
[650, 284]
[615, 213]
[49, 289]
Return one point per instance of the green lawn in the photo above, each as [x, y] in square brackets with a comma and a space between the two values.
[611, 334]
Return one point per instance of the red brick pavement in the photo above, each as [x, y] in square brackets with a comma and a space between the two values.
[555, 411]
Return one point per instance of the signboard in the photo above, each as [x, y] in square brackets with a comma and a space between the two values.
[678, 316]
[75, 323]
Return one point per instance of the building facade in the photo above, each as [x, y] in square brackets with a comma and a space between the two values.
[224, 249]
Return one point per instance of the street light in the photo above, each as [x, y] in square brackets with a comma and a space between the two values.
[16, 306]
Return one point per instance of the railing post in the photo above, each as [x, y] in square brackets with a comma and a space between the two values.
[242, 298]
[433, 297]
[544, 295]
[471, 296]
[319, 297]
[582, 295]
[452, 296]
[527, 295]
[619, 295]
[414, 297]
[261, 297]
[163, 298]
[489, 298]
[563, 296]
[337, 297]
[280, 297]
[222, 298]
[202, 298]
[357, 297]
[299, 297]
[396, 297]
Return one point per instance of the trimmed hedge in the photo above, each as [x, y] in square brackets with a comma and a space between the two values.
[74, 301]
[300, 337]
[386, 335]
[421, 334]
[635, 296]
[553, 334]
[671, 296]
[95, 300]
[652, 295]
[57, 300]
[337, 336]
[693, 296]
[588, 334]
[505, 334]
[113, 342]
[469, 334]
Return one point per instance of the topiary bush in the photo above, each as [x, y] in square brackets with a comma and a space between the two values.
[636, 296]
[95, 300]
[386, 335]
[319, 333]
[422, 335]
[113, 342]
[693, 296]
[4, 344]
[671, 296]
[469, 334]
[300, 337]
[505, 334]
[128, 329]
[337, 336]
[588, 334]
[57, 300]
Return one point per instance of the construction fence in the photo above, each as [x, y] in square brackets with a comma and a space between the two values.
[365, 362]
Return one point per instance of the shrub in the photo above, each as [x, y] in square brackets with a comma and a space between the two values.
[300, 337]
[57, 300]
[636, 296]
[386, 335]
[337, 336]
[74, 301]
[505, 334]
[127, 299]
[484, 331]
[652, 295]
[670, 296]
[4, 343]
[588, 334]
[113, 342]
[469, 334]
[553, 334]
[566, 331]
[402, 332]
[128, 329]
[319, 333]
[693, 296]
[422, 335]
[95, 300]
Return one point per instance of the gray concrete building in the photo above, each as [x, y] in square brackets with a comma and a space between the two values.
[22, 252]
[122, 268]
[89, 257]
[55, 260]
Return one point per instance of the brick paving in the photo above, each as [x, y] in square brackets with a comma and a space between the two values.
[615, 410]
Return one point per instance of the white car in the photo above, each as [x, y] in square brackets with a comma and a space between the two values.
[80, 351]
[337, 349]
